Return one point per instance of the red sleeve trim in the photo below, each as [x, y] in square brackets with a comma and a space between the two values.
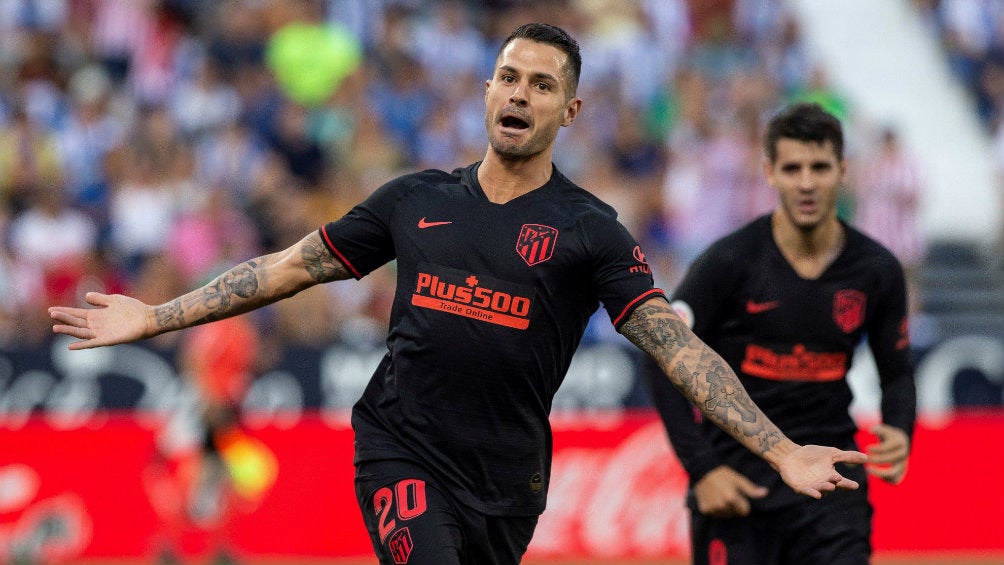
[631, 305]
[338, 255]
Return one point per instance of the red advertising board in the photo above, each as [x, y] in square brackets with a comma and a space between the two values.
[100, 491]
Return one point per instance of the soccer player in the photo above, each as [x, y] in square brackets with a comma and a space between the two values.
[499, 266]
[785, 300]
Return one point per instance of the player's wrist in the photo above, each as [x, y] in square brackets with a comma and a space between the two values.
[779, 451]
[153, 317]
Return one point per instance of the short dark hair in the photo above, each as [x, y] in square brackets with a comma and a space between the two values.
[551, 35]
[804, 121]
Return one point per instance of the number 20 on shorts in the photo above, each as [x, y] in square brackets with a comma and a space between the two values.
[407, 500]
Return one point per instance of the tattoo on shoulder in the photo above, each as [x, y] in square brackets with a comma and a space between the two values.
[320, 264]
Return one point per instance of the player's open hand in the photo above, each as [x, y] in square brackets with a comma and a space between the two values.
[810, 470]
[725, 493]
[887, 458]
[115, 319]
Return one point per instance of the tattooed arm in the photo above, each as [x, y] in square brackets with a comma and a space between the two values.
[245, 287]
[711, 385]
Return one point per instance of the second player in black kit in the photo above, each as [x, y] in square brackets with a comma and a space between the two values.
[786, 300]
[499, 267]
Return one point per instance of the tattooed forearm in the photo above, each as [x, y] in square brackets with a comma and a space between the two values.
[686, 381]
[768, 439]
[234, 292]
[218, 296]
[252, 284]
[700, 374]
[319, 262]
[726, 403]
[656, 331]
[723, 394]
[168, 315]
[715, 389]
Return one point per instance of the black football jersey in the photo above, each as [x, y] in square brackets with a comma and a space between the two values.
[491, 302]
[791, 342]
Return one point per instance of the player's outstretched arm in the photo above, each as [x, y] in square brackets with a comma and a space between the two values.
[245, 287]
[711, 385]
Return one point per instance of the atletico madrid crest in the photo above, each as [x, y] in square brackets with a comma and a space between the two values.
[536, 243]
[400, 546]
[849, 309]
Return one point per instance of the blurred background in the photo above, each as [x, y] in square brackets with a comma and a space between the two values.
[148, 145]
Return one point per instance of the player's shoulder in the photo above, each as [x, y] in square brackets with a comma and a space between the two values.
[584, 203]
[428, 178]
[418, 184]
[866, 248]
[744, 243]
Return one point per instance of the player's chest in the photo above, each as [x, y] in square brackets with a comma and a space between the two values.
[512, 241]
[783, 304]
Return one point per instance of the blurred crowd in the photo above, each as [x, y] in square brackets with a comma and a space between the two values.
[147, 145]
[972, 35]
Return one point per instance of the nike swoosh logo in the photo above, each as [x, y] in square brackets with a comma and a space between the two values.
[422, 224]
[760, 307]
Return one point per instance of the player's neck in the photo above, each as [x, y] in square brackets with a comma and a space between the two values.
[503, 180]
[809, 251]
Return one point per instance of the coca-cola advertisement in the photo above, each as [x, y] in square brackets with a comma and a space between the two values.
[119, 486]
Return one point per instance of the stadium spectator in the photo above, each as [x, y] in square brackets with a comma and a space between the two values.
[888, 186]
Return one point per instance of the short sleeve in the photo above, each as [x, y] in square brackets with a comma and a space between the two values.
[622, 277]
[362, 238]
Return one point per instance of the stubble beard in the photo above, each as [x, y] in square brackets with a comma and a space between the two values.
[511, 150]
[803, 223]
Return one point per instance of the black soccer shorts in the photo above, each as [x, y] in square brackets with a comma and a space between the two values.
[835, 530]
[413, 520]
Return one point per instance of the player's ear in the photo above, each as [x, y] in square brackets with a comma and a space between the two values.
[768, 172]
[572, 108]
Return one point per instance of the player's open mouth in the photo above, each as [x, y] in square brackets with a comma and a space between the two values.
[512, 121]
